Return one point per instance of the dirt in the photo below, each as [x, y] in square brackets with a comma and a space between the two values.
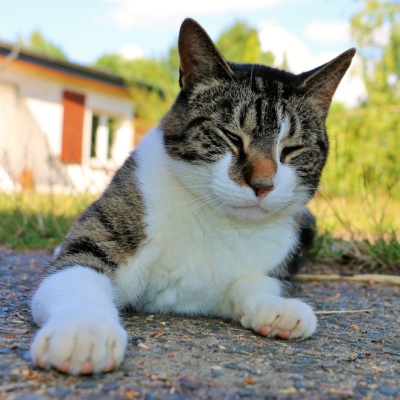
[353, 355]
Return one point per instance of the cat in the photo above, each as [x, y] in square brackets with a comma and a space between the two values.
[201, 218]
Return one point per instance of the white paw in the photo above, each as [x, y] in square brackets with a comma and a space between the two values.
[80, 345]
[275, 316]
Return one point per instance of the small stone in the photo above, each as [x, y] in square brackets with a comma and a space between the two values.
[216, 374]
[245, 392]
[5, 350]
[361, 390]
[191, 382]
[26, 356]
[288, 391]
[60, 393]
[109, 386]
[389, 390]
[233, 366]
[86, 385]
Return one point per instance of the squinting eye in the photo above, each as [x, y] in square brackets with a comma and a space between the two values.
[286, 151]
[236, 140]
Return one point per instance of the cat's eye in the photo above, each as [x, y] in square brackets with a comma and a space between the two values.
[287, 151]
[236, 140]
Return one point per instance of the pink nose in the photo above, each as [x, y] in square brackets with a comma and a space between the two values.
[262, 191]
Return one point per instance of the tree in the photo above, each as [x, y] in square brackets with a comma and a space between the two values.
[38, 43]
[240, 43]
[364, 158]
[376, 30]
[149, 105]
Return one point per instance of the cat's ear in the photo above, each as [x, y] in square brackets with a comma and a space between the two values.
[200, 60]
[321, 83]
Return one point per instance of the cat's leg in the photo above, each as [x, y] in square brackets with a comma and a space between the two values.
[80, 329]
[256, 303]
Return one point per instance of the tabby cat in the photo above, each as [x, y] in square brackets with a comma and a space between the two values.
[201, 217]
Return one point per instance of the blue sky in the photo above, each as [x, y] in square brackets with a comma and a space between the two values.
[310, 31]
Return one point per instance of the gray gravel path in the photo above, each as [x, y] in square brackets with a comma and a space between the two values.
[169, 357]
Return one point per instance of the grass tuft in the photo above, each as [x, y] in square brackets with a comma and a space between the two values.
[33, 221]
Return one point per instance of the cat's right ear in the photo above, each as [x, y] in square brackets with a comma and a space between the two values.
[200, 60]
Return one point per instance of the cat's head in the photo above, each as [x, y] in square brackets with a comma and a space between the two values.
[251, 135]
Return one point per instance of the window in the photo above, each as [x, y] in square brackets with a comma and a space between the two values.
[95, 125]
[111, 136]
[103, 136]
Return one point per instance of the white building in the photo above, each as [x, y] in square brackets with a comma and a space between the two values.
[63, 127]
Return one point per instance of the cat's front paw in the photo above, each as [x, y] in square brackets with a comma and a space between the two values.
[80, 346]
[275, 316]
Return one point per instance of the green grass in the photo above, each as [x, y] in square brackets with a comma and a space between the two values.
[358, 231]
[34, 221]
[350, 230]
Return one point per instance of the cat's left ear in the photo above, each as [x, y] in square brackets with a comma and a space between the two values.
[200, 60]
[321, 83]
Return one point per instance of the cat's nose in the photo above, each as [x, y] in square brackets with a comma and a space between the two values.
[262, 190]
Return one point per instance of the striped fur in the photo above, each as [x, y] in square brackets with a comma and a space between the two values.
[201, 217]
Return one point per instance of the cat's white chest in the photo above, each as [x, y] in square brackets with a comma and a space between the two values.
[192, 255]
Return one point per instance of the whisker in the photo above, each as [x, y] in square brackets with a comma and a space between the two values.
[178, 188]
[204, 202]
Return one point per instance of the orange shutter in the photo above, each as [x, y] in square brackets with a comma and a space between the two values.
[72, 136]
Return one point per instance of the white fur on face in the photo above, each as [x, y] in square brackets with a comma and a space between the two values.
[242, 202]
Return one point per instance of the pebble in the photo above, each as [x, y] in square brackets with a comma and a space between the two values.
[245, 392]
[26, 356]
[216, 374]
[59, 392]
[191, 382]
[389, 390]
[86, 385]
[109, 386]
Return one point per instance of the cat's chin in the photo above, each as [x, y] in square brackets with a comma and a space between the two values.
[249, 212]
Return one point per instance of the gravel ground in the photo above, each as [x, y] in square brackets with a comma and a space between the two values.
[351, 356]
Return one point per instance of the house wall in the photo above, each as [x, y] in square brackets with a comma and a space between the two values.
[31, 120]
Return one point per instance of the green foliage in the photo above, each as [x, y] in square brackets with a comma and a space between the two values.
[365, 141]
[376, 30]
[385, 252]
[148, 104]
[240, 43]
[363, 154]
[39, 43]
[379, 255]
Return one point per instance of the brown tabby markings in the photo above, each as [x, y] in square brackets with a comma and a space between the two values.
[110, 230]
